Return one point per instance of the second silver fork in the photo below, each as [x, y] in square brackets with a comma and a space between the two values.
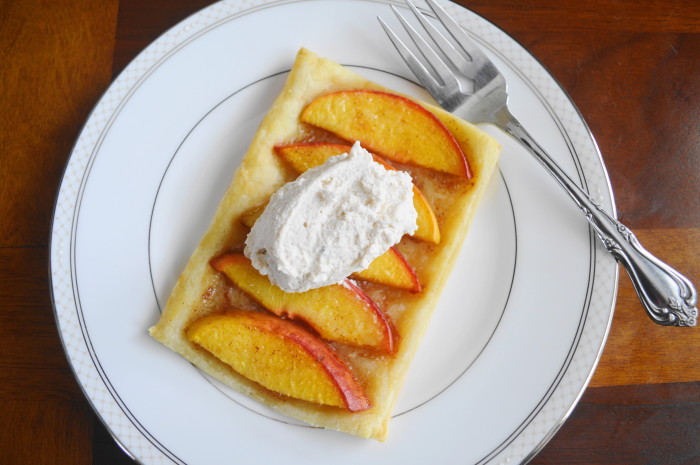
[462, 79]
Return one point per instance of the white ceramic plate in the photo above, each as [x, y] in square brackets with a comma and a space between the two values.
[517, 333]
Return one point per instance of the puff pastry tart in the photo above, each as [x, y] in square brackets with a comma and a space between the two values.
[334, 356]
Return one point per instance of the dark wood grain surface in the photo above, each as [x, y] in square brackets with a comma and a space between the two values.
[632, 68]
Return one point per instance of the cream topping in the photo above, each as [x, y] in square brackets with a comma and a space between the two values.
[331, 221]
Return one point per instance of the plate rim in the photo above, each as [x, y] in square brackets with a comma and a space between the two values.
[250, 10]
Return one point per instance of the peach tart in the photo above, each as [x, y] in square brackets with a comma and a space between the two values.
[334, 356]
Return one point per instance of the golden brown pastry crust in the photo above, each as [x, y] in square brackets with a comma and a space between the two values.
[260, 174]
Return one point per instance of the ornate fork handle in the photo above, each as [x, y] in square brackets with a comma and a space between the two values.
[668, 297]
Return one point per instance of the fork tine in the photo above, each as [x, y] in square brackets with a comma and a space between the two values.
[442, 71]
[414, 64]
[454, 56]
[456, 31]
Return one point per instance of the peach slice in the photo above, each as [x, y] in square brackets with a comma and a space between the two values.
[390, 268]
[249, 217]
[305, 155]
[428, 229]
[279, 355]
[390, 125]
[339, 312]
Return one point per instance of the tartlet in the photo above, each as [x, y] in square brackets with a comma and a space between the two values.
[201, 290]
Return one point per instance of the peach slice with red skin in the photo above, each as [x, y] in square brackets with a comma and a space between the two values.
[306, 155]
[390, 125]
[302, 156]
[339, 312]
[392, 269]
[280, 356]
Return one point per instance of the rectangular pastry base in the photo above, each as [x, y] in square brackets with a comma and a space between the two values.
[199, 288]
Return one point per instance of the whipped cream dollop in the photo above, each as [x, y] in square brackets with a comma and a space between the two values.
[331, 221]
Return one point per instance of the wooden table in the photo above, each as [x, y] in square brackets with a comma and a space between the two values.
[633, 69]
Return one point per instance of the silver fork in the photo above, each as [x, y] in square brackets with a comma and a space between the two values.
[465, 82]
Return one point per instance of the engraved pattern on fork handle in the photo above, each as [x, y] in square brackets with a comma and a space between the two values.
[668, 297]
